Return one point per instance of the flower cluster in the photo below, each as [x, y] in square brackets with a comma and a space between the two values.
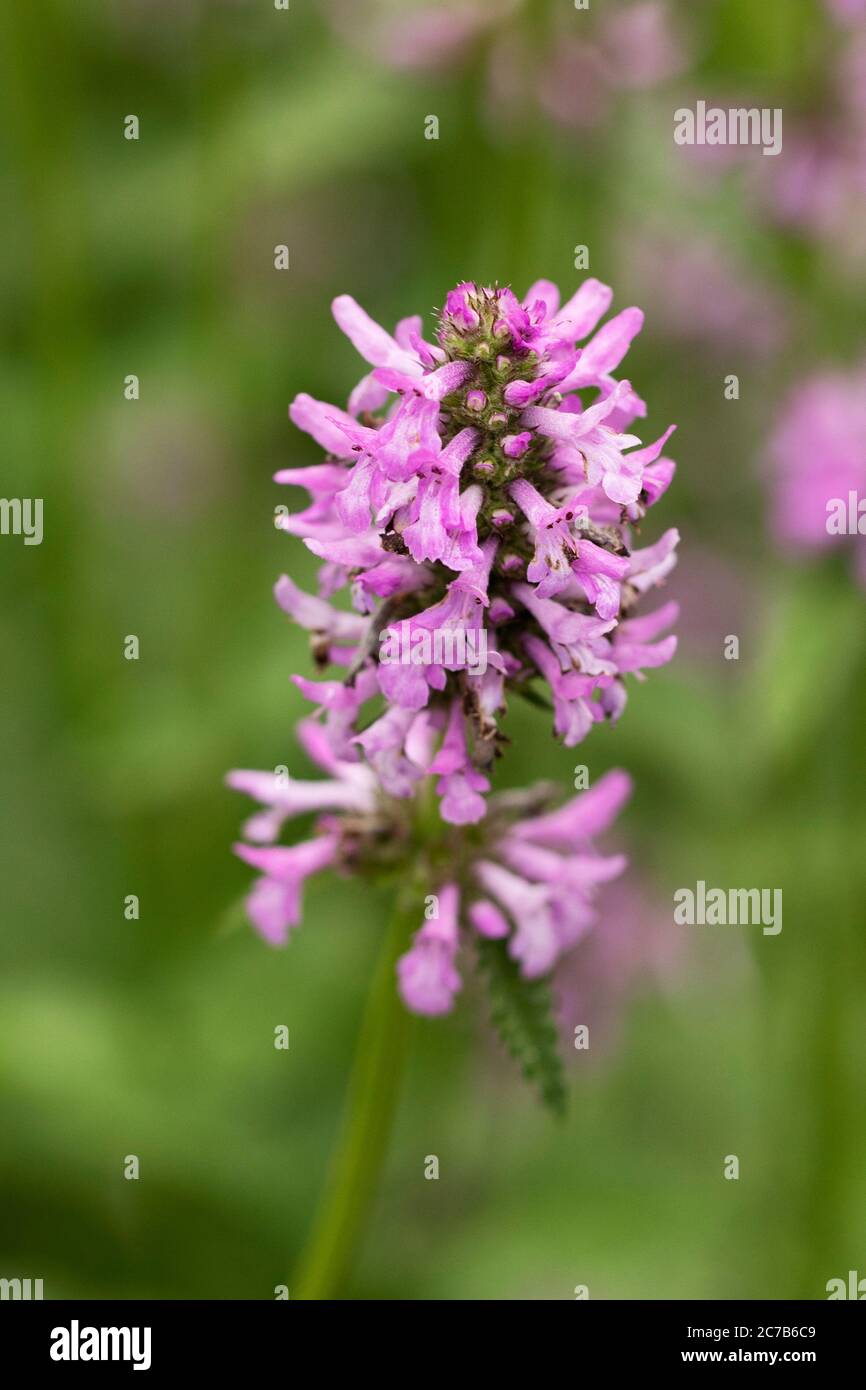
[470, 491]
[529, 877]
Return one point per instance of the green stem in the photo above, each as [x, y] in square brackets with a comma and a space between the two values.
[374, 1089]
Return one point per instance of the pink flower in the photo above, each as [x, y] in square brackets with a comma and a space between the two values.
[385, 745]
[436, 519]
[538, 882]
[487, 919]
[460, 784]
[546, 874]
[274, 903]
[574, 708]
[427, 978]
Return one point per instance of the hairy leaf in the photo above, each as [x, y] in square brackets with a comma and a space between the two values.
[521, 1012]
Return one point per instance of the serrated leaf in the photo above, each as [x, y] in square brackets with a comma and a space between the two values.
[521, 1011]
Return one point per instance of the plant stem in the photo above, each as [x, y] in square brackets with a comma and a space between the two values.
[371, 1102]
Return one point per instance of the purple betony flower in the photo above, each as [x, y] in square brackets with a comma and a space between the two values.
[484, 489]
[476, 481]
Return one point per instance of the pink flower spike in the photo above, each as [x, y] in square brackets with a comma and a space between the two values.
[477, 505]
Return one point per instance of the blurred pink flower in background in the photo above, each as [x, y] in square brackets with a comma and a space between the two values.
[847, 11]
[817, 186]
[588, 61]
[570, 75]
[639, 950]
[817, 455]
[852, 78]
[676, 273]
[642, 44]
[819, 190]
[716, 594]
[571, 87]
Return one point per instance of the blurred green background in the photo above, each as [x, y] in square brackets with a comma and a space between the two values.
[155, 1037]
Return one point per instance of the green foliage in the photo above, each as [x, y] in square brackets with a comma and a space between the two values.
[522, 1014]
